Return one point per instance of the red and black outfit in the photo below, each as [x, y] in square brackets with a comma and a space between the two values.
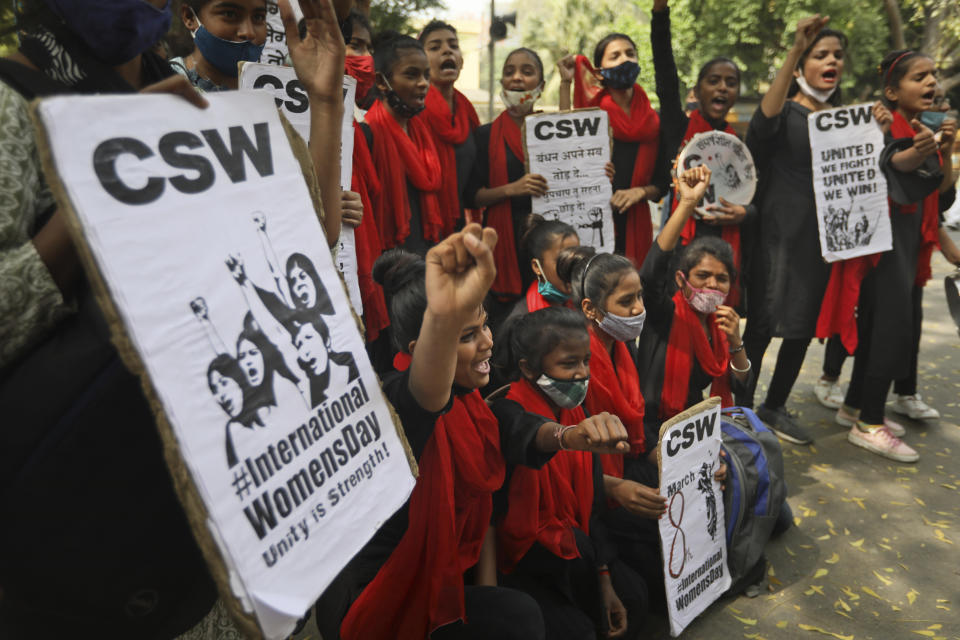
[453, 139]
[635, 143]
[889, 305]
[500, 161]
[551, 540]
[408, 209]
[408, 581]
[677, 129]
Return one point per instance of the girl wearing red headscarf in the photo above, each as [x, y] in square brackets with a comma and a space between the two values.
[428, 551]
[451, 117]
[610, 83]
[401, 144]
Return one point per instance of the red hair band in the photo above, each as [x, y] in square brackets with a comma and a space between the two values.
[899, 58]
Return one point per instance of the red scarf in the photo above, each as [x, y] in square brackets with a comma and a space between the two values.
[615, 388]
[420, 588]
[449, 130]
[838, 310]
[366, 183]
[546, 504]
[930, 226]
[729, 233]
[643, 126]
[397, 158]
[535, 301]
[688, 340]
[504, 133]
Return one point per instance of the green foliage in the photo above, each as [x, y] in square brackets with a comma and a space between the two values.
[399, 15]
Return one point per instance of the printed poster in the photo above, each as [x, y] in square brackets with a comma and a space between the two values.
[851, 191]
[275, 50]
[692, 537]
[291, 99]
[571, 149]
[198, 226]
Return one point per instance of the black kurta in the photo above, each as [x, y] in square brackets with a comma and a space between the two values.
[788, 273]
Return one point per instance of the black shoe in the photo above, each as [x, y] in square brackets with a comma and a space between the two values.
[783, 424]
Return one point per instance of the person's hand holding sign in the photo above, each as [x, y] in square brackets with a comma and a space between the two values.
[352, 208]
[725, 213]
[532, 184]
[636, 498]
[882, 117]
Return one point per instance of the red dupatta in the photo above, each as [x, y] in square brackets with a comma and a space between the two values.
[641, 126]
[365, 182]
[420, 588]
[449, 130]
[615, 388]
[535, 301]
[837, 312]
[729, 233]
[688, 340]
[546, 504]
[504, 133]
[400, 156]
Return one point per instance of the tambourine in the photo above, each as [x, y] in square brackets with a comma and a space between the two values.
[733, 174]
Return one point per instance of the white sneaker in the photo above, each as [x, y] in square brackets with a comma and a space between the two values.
[846, 418]
[896, 428]
[883, 443]
[913, 407]
[828, 393]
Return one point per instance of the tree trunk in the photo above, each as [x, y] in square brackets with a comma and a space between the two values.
[896, 24]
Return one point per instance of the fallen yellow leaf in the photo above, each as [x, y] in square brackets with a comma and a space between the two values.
[871, 592]
[935, 626]
[782, 624]
[939, 535]
[924, 632]
[750, 622]
[912, 595]
[824, 537]
[820, 573]
[843, 604]
[807, 627]
[857, 544]
[920, 502]
[882, 579]
[833, 559]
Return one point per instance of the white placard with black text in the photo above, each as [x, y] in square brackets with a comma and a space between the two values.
[570, 150]
[851, 191]
[203, 229]
[692, 530]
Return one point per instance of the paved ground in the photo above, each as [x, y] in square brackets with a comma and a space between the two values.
[875, 553]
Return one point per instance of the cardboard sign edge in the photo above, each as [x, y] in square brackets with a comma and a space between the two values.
[186, 490]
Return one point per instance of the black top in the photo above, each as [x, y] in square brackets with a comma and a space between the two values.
[788, 273]
[673, 119]
[518, 431]
[658, 290]
[415, 242]
[520, 206]
[886, 293]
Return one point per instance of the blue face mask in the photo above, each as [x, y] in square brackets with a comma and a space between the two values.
[547, 290]
[622, 76]
[116, 31]
[225, 54]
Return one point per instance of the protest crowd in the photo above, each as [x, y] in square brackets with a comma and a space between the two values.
[530, 371]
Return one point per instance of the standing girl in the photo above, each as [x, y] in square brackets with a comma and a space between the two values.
[462, 447]
[888, 311]
[499, 181]
[636, 131]
[450, 115]
[716, 91]
[404, 154]
[789, 276]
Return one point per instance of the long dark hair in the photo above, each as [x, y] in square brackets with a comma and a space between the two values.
[262, 395]
[322, 304]
[228, 367]
[893, 68]
[836, 99]
[590, 274]
[402, 275]
[601, 47]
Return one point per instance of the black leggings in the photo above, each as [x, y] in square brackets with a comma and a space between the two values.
[785, 372]
[496, 612]
[834, 355]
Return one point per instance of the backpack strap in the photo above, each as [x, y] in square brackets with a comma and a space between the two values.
[28, 82]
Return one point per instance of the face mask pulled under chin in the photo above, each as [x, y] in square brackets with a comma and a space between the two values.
[566, 394]
[225, 54]
[520, 103]
[816, 94]
[116, 31]
[397, 105]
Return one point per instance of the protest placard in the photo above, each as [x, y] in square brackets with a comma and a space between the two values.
[275, 50]
[692, 531]
[851, 191]
[201, 239]
[734, 177]
[291, 98]
[571, 149]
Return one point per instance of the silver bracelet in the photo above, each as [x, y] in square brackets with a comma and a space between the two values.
[735, 370]
[560, 431]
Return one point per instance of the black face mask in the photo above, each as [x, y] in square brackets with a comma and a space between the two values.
[396, 103]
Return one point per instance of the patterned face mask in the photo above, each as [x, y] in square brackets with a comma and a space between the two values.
[566, 394]
[520, 103]
[622, 76]
[705, 301]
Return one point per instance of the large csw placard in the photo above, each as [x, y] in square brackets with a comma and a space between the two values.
[291, 99]
[203, 245]
[692, 531]
[571, 149]
[851, 190]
